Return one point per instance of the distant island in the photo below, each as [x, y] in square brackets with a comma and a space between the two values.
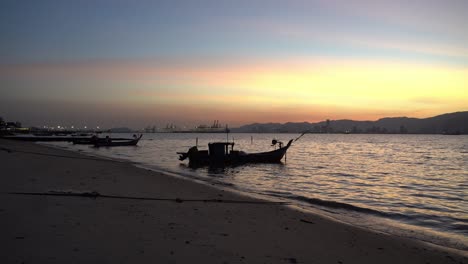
[451, 123]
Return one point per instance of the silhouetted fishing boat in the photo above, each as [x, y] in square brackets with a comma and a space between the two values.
[92, 140]
[86, 141]
[108, 142]
[223, 153]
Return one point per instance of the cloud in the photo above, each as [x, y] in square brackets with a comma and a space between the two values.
[341, 38]
[429, 16]
[428, 100]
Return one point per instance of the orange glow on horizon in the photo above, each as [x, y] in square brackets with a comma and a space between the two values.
[308, 89]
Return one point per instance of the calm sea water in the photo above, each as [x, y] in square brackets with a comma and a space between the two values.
[411, 185]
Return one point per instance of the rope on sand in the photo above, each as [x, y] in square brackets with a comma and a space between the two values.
[96, 195]
[6, 149]
[55, 155]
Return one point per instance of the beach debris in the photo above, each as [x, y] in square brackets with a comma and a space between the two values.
[307, 221]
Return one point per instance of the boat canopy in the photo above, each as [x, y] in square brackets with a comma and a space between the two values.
[220, 149]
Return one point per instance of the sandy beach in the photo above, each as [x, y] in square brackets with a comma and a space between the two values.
[190, 223]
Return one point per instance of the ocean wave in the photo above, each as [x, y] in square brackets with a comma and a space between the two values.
[427, 220]
[331, 204]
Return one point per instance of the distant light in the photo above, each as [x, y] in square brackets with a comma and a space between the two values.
[97, 127]
[58, 127]
[85, 127]
[72, 127]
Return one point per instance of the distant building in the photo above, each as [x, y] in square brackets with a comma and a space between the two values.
[2, 123]
[13, 125]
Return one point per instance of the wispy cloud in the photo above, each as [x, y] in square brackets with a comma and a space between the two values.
[430, 16]
[382, 42]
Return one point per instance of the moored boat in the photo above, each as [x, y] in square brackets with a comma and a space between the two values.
[108, 142]
[223, 153]
[92, 140]
[43, 138]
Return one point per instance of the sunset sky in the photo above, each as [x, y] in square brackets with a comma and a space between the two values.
[138, 63]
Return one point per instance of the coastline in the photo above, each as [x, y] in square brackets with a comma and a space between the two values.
[80, 229]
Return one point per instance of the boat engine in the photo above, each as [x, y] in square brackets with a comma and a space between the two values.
[274, 142]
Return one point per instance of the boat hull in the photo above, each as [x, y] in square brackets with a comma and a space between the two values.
[92, 141]
[120, 143]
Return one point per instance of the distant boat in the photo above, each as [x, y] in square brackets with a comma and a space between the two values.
[44, 138]
[108, 142]
[220, 154]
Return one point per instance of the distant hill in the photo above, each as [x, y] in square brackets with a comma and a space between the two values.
[452, 123]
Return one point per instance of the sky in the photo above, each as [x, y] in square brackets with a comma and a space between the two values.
[137, 63]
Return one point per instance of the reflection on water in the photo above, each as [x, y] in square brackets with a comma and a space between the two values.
[419, 179]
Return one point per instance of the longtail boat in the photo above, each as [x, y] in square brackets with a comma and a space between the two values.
[223, 153]
[107, 142]
[92, 140]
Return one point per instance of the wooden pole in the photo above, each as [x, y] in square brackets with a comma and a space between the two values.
[227, 133]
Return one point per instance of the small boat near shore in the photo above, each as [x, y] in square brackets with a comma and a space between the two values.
[93, 140]
[223, 153]
[108, 142]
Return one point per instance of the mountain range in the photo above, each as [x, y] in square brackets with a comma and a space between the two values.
[451, 123]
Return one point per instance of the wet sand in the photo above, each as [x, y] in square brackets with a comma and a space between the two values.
[179, 228]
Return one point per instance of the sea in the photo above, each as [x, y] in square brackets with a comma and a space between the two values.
[413, 186]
